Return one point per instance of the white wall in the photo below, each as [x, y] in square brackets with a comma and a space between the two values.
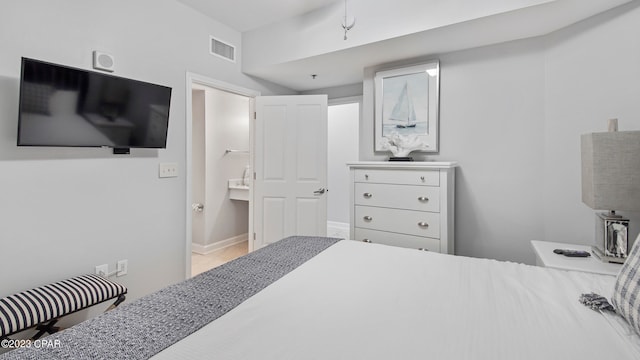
[593, 74]
[337, 92]
[512, 115]
[65, 210]
[492, 118]
[343, 121]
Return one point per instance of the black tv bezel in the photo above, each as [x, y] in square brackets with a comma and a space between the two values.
[119, 148]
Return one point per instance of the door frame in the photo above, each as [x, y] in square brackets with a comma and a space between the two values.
[193, 78]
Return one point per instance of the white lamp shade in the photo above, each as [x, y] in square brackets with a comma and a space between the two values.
[611, 170]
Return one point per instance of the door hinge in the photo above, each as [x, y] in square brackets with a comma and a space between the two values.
[255, 115]
[254, 236]
[254, 175]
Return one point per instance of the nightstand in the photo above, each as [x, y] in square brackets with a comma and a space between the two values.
[547, 258]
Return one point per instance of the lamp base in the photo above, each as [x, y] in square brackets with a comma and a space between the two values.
[611, 237]
[604, 258]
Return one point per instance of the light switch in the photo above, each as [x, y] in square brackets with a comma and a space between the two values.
[167, 170]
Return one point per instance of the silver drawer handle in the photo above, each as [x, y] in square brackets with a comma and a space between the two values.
[423, 249]
[422, 178]
[367, 218]
[366, 176]
[367, 241]
[423, 199]
[367, 195]
[423, 224]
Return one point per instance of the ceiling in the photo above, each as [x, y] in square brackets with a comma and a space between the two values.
[345, 66]
[244, 15]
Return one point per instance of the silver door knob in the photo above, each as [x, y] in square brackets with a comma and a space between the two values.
[367, 195]
[197, 207]
[320, 191]
[366, 176]
[423, 224]
[367, 218]
[423, 198]
[422, 178]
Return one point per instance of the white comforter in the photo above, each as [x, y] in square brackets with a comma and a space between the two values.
[368, 301]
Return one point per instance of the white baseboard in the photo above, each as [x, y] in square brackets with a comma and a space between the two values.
[208, 249]
[337, 229]
[338, 225]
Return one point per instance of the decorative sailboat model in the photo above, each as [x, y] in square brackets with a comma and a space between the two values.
[403, 114]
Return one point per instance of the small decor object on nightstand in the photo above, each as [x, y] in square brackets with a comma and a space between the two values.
[610, 169]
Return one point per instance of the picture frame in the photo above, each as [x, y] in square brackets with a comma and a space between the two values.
[407, 103]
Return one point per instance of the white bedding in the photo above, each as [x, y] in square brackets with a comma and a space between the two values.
[368, 301]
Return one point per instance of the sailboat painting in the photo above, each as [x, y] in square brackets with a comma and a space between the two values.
[406, 101]
[405, 104]
[403, 112]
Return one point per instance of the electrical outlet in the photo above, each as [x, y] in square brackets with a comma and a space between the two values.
[123, 267]
[102, 270]
[167, 170]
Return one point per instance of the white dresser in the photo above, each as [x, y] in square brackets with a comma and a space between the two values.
[407, 204]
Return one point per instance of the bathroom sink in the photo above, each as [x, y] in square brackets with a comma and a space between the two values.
[237, 190]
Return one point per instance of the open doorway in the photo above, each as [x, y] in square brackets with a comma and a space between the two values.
[343, 147]
[219, 161]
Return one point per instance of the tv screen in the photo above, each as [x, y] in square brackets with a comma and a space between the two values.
[64, 106]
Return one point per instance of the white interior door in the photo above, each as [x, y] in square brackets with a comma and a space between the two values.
[290, 167]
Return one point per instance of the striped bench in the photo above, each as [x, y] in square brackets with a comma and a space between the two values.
[43, 306]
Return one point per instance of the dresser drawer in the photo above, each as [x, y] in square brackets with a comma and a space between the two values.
[410, 222]
[394, 239]
[420, 198]
[400, 177]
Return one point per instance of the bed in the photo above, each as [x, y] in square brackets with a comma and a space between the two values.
[325, 298]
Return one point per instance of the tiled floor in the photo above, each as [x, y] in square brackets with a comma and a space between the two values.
[201, 263]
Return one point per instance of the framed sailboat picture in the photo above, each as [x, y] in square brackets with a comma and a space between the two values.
[406, 104]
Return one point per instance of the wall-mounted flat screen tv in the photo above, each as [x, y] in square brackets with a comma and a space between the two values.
[65, 106]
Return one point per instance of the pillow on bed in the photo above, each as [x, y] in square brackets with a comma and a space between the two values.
[626, 293]
[35, 98]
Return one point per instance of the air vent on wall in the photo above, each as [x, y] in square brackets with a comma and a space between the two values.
[222, 49]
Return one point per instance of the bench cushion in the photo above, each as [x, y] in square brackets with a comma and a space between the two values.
[32, 307]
